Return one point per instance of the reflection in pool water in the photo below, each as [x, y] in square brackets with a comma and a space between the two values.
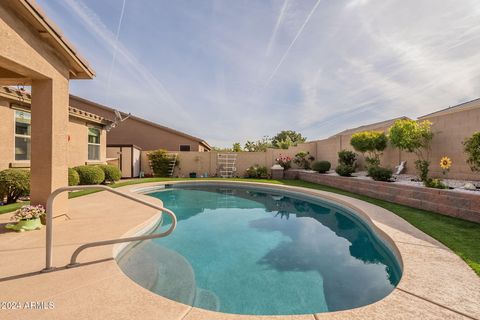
[241, 251]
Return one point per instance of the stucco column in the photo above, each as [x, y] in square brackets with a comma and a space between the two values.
[49, 141]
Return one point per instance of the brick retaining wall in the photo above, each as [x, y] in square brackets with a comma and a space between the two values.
[455, 204]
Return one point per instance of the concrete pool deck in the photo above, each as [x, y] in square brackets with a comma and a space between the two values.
[436, 283]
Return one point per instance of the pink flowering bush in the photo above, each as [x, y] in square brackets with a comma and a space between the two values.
[28, 212]
[284, 161]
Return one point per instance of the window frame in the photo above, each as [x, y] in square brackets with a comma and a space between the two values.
[185, 145]
[99, 144]
[24, 136]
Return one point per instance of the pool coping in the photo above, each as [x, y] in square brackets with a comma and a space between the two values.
[436, 283]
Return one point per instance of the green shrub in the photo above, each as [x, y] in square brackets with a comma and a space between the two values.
[435, 183]
[472, 149]
[257, 172]
[321, 166]
[423, 167]
[414, 137]
[160, 162]
[14, 183]
[347, 158]
[90, 174]
[371, 142]
[345, 170]
[112, 173]
[73, 177]
[379, 173]
[303, 159]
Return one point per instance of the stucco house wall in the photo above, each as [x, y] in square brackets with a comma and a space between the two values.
[77, 131]
[78, 142]
[34, 52]
[7, 127]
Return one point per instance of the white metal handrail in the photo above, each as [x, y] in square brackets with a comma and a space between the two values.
[49, 226]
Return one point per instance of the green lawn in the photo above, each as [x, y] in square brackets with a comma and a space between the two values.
[462, 237]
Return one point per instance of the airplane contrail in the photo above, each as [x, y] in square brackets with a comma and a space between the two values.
[106, 37]
[292, 43]
[114, 58]
[277, 25]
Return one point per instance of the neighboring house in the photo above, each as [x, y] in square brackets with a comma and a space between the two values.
[142, 133]
[87, 141]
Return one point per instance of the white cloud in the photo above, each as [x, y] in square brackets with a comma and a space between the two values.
[107, 38]
[327, 65]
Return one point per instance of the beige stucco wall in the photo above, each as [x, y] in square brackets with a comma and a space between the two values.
[449, 129]
[78, 143]
[6, 134]
[139, 133]
[24, 52]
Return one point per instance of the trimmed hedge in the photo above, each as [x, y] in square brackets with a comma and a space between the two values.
[90, 174]
[321, 166]
[380, 174]
[73, 177]
[345, 170]
[347, 158]
[14, 183]
[112, 173]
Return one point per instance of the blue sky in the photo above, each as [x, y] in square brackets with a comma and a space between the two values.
[229, 71]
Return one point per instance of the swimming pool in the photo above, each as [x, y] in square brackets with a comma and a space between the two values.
[262, 251]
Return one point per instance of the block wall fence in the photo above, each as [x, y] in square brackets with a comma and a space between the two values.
[450, 130]
[455, 204]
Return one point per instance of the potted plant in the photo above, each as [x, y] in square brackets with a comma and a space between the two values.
[28, 218]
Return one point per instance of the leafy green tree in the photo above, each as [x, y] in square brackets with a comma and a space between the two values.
[415, 137]
[287, 138]
[259, 145]
[160, 162]
[371, 142]
[303, 160]
[236, 147]
[222, 149]
[472, 149]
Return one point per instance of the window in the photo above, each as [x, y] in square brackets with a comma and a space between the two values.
[93, 144]
[184, 147]
[23, 129]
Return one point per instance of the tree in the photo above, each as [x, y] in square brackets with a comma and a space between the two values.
[414, 137]
[287, 138]
[472, 149]
[259, 145]
[303, 160]
[236, 147]
[371, 142]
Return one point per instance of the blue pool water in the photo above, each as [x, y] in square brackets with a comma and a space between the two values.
[262, 252]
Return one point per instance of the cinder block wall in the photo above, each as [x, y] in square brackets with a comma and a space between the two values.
[450, 131]
[450, 203]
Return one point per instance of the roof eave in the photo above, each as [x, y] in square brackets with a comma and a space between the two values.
[80, 68]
